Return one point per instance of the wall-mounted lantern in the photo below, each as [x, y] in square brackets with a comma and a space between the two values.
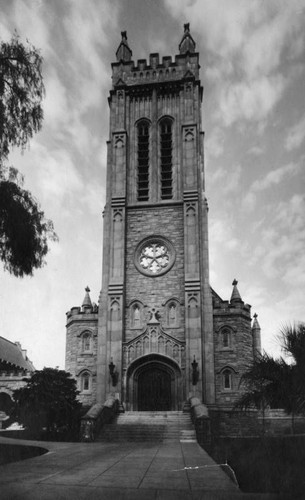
[195, 373]
[113, 373]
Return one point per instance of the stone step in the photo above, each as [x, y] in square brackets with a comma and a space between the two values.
[149, 426]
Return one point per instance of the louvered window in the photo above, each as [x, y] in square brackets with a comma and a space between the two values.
[143, 161]
[166, 160]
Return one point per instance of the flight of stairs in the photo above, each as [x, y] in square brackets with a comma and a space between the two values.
[146, 426]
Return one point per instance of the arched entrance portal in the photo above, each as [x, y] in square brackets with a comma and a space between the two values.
[154, 383]
[154, 388]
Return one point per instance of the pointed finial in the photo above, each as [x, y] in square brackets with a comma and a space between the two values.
[87, 301]
[123, 53]
[187, 43]
[255, 323]
[235, 297]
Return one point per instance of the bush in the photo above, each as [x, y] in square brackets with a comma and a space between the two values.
[265, 465]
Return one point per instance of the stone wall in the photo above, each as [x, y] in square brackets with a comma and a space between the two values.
[155, 292]
[229, 423]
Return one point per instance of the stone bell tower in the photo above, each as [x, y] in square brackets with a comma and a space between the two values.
[155, 344]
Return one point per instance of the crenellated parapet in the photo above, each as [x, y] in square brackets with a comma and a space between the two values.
[185, 66]
[88, 310]
[233, 306]
[77, 313]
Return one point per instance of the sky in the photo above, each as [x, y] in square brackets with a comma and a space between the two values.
[252, 56]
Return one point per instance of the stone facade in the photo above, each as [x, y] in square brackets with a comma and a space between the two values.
[142, 223]
[160, 334]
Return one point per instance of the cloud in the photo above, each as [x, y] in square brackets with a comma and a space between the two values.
[29, 20]
[258, 31]
[272, 178]
[221, 232]
[55, 105]
[87, 31]
[275, 177]
[255, 151]
[296, 135]
[249, 100]
[280, 248]
[229, 180]
[249, 201]
[214, 145]
[291, 214]
[245, 43]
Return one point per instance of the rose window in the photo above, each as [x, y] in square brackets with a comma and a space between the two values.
[154, 256]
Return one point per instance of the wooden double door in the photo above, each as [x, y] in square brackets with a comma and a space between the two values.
[154, 389]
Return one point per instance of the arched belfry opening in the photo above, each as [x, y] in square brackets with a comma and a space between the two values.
[154, 383]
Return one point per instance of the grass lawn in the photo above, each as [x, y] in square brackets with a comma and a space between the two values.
[266, 464]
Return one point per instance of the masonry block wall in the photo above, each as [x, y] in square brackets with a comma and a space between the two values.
[155, 292]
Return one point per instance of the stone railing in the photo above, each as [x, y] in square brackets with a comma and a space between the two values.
[96, 417]
[154, 341]
[201, 421]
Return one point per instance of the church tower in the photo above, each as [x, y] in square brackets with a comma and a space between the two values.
[155, 311]
[160, 334]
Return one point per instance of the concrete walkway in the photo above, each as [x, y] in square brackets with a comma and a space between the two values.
[169, 470]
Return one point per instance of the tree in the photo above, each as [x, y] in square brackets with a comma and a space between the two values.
[21, 92]
[49, 400]
[276, 382]
[24, 231]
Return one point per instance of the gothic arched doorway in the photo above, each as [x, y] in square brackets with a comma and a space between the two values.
[154, 383]
[154, 389]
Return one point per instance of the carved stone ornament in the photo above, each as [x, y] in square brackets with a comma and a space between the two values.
[154, 256]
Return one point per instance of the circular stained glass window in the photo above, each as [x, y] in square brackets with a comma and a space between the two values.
[154, 256]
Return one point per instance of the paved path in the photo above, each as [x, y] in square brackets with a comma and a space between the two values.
[169, 470]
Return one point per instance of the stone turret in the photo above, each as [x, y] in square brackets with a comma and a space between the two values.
[233, 343]
[256, 335]
[81, 347]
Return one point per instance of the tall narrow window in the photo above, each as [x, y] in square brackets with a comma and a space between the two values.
[85, 381]
[227, 379]
[166, 160]
[225, 338]
[143, 161]
[86, 342]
